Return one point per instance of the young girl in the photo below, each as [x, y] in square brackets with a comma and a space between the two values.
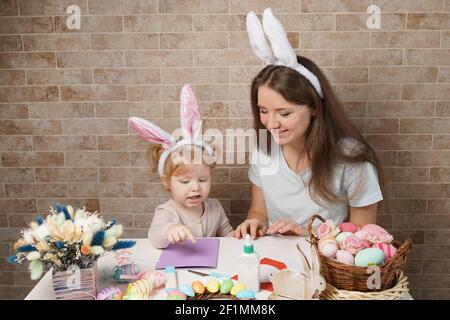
[185, 170]
[325, 166]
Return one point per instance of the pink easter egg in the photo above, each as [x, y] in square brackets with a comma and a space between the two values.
[373, 228]
[329, 250]
[362, 234]
[345, 257]
[348, 227]
[328, 247]
[388, 249]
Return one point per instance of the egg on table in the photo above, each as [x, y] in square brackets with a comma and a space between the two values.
[237, 288]
[226, 286]
[213, 285]
[198, 287]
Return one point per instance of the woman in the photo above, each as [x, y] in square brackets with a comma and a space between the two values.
[325, 165]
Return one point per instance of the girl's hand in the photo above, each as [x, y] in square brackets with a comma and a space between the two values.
[255, 226]
[178, 233]
[287, 227]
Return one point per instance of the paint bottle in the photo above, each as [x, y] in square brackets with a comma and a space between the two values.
[248, 264]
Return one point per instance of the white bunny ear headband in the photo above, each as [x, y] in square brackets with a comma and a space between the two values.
[280, 51]
[190, 124]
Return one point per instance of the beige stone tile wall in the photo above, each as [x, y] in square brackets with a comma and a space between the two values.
[65, 96]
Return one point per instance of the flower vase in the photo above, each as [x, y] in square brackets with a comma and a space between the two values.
[75, 283]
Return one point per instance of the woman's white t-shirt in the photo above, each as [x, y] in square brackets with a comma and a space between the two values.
[287, 196]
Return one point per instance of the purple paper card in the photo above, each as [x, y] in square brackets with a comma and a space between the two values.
[186, 254]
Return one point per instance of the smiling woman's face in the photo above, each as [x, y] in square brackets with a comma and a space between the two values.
[286, 121]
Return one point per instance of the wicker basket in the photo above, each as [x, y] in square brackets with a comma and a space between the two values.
[75, 284]
[353, 278]
[395, 293]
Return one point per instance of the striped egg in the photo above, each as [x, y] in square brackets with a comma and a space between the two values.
[126, 273]
[328, 247]
[388, 249]
[143, 287]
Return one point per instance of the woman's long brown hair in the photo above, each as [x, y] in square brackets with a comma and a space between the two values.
[328, 129]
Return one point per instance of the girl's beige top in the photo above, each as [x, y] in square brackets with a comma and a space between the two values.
[213, 223]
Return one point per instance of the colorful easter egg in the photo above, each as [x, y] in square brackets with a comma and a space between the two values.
[345, 257]
[348, 227]
[342, 236]
[368, 257]
[187, 290]
[328, 247]
[237, 288]
[388, 249]
[198, 287]
[176, 295]
[142, 286]
[126, 272]
[226, 286]
[245, 294]
[213, 285]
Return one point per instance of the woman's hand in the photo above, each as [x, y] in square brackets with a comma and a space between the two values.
[178, 233]
[255, 226]
[287, 227]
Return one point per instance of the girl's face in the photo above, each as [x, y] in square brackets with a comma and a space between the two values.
[192, 187]
[286, 121]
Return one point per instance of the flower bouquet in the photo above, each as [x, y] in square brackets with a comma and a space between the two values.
[69, 241]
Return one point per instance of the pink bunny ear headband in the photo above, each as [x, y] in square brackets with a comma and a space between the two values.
[279, 51]
[190, 125]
